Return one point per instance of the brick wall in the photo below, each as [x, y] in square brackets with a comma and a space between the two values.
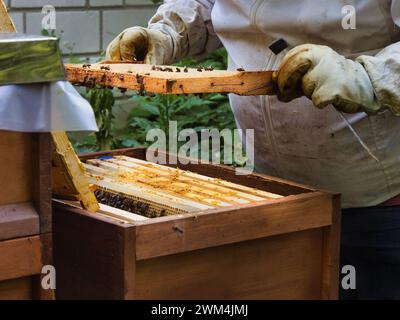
[84, 26]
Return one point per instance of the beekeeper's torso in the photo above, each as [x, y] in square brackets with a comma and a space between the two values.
[295, 140]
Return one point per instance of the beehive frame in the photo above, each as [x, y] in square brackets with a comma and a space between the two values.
[164, 190]
[146, 78]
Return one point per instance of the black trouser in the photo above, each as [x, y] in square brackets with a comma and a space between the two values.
[371, 243]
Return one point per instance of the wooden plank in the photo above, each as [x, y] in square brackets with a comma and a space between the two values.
[171, 182]
[73, 171]
[139, 192]
[16, 289]
[6, 23]
[165, 188]
[245, 197]
[196, 179]
[41, 171]
[41, 164]
[111, 212]
[91, 260]
[120, 214]
[331, 254]
[281, 267]
[254, 180]
[209, 180]
[16, 172]
[137, 152]
[20, 257]
[39, 293]
[129, 263]
[143, 78]
[181, 233]
[18, 220]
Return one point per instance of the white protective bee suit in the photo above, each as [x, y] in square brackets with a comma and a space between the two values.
[295, 140]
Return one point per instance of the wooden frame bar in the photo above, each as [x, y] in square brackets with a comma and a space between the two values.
[171, 80]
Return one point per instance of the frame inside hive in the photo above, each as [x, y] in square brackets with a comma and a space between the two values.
[154, 190]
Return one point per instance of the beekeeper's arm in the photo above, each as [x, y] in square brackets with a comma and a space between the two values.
[180, 28]
[369, 83]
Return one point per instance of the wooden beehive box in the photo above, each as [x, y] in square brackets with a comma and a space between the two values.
[284, 248]
[25, 213]
[25, 206]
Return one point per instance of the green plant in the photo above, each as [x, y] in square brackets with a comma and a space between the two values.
[102, 102]
[49, 33]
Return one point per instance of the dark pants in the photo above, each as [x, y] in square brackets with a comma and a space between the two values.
[371, 243]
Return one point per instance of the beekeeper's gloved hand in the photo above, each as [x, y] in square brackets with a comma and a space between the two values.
[325, 77]
[141, 44]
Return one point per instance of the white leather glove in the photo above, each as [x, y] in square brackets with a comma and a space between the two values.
[137, 43]
[325, 77]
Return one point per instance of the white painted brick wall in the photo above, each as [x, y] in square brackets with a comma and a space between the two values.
[79, 31]
[85, 26]
[41, 3]
[18, 18]
[99, 3]
[137, 2]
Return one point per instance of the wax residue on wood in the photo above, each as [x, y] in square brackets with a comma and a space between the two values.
[175, 190]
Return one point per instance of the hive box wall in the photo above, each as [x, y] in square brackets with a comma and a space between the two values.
[25, 213]
[284, 249]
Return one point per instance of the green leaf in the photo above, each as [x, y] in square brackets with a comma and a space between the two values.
[130, 143]
[144, 110]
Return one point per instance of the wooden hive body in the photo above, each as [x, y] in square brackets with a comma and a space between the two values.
[283, 248]
[25, 207]
[25, 213]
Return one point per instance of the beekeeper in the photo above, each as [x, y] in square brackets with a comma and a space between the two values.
[334, 123]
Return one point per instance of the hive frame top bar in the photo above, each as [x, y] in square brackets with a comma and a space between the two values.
[171, 79]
